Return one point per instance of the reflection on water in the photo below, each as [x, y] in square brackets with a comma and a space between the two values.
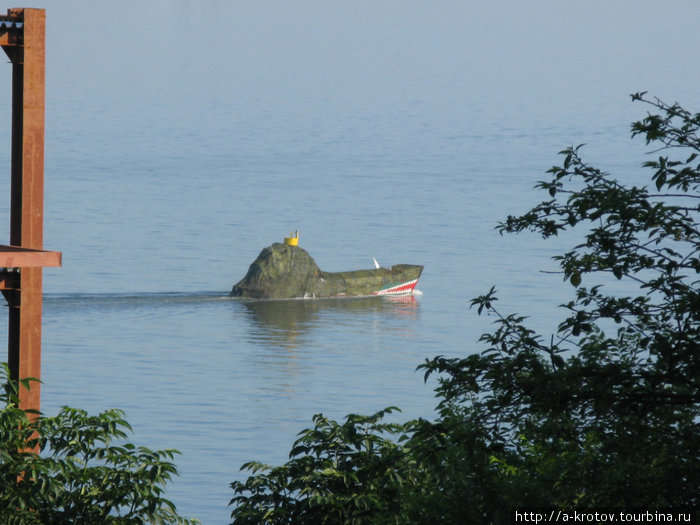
[288, 323]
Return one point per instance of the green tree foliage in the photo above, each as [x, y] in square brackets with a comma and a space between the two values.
[602, 412]
[339, 473]
[77, 468]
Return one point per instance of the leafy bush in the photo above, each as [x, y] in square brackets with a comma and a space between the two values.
[77, 468]
[340, 473]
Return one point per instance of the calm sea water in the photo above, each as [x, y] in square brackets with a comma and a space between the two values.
[182, 138]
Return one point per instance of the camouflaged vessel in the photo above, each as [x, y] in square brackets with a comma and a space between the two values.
[286, 271]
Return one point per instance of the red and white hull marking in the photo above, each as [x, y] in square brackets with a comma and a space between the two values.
[398, 289]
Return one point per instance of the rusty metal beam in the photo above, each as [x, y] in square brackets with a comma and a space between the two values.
[23, 37]
[26, 358]
[19, 257]
[27, 198]
[27, 188]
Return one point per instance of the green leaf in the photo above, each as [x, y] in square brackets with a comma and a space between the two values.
[575, 279]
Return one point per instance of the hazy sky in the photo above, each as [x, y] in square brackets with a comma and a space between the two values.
[456, 59]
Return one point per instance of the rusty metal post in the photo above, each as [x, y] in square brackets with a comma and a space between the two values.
[26, 50]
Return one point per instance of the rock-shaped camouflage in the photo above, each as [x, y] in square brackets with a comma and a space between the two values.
[284, 272]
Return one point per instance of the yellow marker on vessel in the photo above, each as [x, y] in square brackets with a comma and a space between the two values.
[293, 239]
